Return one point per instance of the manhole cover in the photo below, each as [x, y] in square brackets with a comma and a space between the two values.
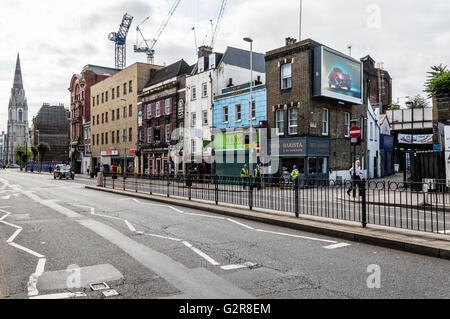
[99, 286]
[110, 293]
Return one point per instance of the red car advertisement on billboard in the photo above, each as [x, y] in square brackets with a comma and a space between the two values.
[337, 76]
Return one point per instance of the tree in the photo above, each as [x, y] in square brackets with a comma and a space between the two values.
[419, 102]
[43, 148]
[35, 152]
[394, 107]
[438, 81]
[22, 154]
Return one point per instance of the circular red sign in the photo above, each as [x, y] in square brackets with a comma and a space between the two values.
[355, 132]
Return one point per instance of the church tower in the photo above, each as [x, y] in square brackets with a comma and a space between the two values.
[18, 131]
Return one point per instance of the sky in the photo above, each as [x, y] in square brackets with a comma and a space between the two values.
[56, 38]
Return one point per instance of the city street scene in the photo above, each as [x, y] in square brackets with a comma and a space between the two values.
[245, 152]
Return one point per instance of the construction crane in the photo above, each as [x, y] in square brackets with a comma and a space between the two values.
[149, 49]
[219, 20]
[120, 38]
[145, 49]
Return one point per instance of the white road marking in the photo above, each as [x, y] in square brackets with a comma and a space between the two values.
[335, 246]
[16, 233]
[4, 216]
[240, 266]
[240, 224]
[297, 236]
[131, 227]
[65, 295]
[201, 254]
[445, 232]
[31, 252]
[163, 237]
[6, 197]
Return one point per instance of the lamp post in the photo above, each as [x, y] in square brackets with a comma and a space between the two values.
[125, 157]
[410, 104]
[250, 113]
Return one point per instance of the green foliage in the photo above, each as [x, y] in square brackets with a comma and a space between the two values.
[439, 85]
[419, 102]
[21, 154]
[394, 107]
[43, 148]
[35, 152]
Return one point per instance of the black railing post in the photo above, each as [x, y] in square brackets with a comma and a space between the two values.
[189, 184]
[168, 186]
[135, 176]
[124, 187]
[113, 182]
[297, 210]
[104, 181]
[216, 182]
[250, 192]
[363, 203]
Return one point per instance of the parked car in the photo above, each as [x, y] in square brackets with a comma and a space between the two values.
[63, 171]
[339, 80]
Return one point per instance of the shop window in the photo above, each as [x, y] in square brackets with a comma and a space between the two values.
[293, 121]
[280, 122]
[317, 165]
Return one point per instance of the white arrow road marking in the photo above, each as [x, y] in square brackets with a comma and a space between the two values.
[164, 237]
[335, 246]
[201, 254]
[32, 282]
[129, 225]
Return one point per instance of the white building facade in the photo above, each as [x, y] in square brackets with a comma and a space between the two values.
[373, 143]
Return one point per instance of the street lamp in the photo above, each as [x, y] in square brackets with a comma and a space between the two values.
[125, 158]
[250, 113]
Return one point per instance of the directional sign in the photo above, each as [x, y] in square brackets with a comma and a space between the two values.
[355, 132]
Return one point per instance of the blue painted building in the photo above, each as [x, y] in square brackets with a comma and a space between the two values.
[231, 123]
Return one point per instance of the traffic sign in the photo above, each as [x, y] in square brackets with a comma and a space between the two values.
[355, 132]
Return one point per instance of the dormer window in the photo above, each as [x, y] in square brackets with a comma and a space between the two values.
[201, 65]
[212, 61]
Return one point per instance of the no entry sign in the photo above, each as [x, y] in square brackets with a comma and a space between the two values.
[355, 132]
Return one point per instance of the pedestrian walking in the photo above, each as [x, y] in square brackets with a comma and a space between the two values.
[258, 177]
[245, 176]
[356, 175]
[294, 176]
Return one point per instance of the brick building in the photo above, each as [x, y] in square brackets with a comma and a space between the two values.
[313, 129]
[80, 114]
[377, 84]
[114, 116]
[162, 105]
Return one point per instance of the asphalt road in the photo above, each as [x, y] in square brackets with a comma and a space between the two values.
[56, 238]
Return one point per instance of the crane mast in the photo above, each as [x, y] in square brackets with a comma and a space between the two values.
[120, 38]
[219, 20]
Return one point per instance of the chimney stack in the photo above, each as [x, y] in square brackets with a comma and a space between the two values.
[290, 41]
[204, 51]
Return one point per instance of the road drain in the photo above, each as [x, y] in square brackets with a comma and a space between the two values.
[99, 286]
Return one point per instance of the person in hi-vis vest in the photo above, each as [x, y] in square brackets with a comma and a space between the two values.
[245, 175]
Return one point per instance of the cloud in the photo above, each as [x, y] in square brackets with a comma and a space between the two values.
[57, 38]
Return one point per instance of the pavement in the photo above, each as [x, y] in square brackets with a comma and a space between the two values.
[429, 244]
[59, 237]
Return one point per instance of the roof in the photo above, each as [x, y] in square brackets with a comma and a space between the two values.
[383, 117]
[241, 58]
[100, 69]
[173, 70]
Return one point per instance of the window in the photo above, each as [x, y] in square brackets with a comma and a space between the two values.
[130, 111]
[167, 133]
[103, 138]
[193, 146]
[193, 93]
[238, 113]
[130, 86]
[98, 119]
[113, 94]
[118, 136]
[103, 97]
[93, 141]
[286, 76]
[225, 114]
[205, 118]
[106, 117]
[124, 112]
[130, 135]
[113, 113]
[98, 99]
[118, 114]
[106, 96]
[106, 138]
[103, 118]
[20, 115]
[118, 91]
[149, 111]
[93, 101]
[113, 137]
[347, 123]
[93, 120]
[204, 89]
[194, 119]
[149, 135]
[124, 134]
[167, 107]
[293, 121]
[158, 109]
[371, 131]
[280, 122]
[253, 110]
[124, 89]
[325, 121]
[98, 137]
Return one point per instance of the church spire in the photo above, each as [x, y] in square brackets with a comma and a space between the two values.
[18, 83]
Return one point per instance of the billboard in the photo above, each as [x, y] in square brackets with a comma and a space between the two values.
[415, 139]
[337, 76]
[229, 141]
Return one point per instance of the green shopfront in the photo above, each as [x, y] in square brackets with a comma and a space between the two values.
[310, 155]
